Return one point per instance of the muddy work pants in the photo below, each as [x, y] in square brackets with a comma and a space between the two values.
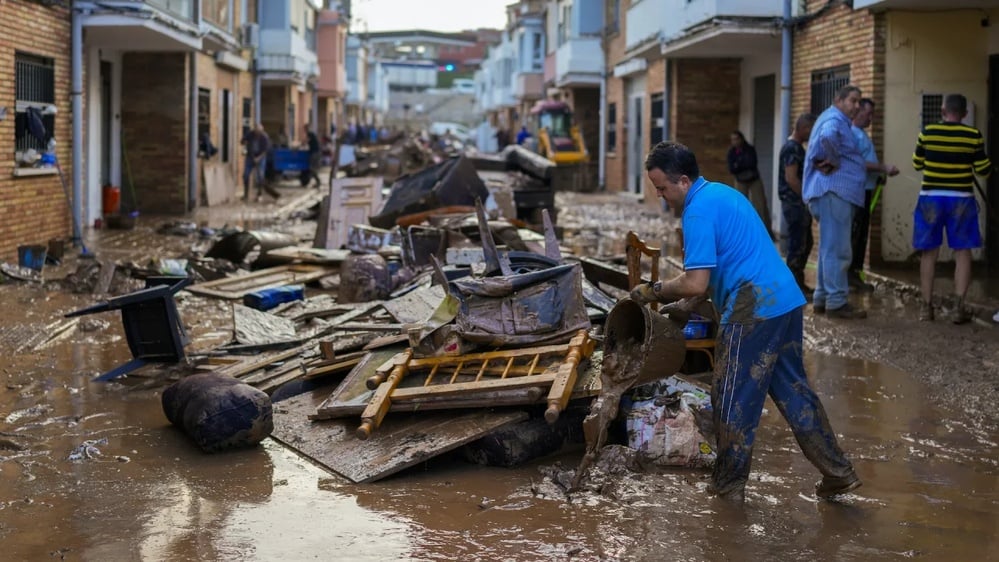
[755, 360]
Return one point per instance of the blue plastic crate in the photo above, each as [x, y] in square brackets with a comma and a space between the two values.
[291, 160]
[697, 328]
[267, 299]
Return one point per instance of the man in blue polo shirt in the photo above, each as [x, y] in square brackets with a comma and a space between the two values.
[728, 251]
[833, 188]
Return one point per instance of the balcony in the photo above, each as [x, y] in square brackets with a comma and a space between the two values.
[529, 85]
[645, 23]
[685, 14]
[721, 28]
[284, 57]
[151, 25]
[579, 62]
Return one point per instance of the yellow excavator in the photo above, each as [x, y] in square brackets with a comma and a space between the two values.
[559, 139]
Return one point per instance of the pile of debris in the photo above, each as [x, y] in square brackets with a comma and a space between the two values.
[432, 317]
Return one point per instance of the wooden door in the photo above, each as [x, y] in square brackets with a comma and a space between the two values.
[351, 201]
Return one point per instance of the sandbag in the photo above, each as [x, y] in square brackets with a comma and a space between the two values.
[219, 412]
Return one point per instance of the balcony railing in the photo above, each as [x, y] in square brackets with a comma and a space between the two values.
[644, 21]
[579, 57]
[684, 14]
[529, 85]
[181, 8]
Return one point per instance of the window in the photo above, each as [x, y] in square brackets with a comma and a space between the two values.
[34, 86]
[611, 127]
[657, 122]
[932, 109]
[217, 13]
[247, 114]
[537, 53]
[825, 84]
[204, 114]
[613, 15]
[225, 101]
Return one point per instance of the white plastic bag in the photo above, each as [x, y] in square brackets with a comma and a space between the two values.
[664, 432]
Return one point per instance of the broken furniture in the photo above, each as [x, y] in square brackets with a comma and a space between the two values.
[476, 374]
[452, 182]
[152, 326]
[351, 201]
[635, 249]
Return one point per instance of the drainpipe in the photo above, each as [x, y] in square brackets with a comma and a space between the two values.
[785, 72]
[192, 136]
[256, 68]
[77, 102]
[602, 164]
[667, 97]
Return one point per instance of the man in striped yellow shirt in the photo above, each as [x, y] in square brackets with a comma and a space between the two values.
[949, 154]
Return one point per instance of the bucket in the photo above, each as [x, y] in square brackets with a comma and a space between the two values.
[633, 328]
[110, 199]
[32, 257]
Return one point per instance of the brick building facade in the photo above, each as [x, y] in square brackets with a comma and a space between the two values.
[35, 37]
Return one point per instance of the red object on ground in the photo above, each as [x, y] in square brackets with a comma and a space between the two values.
[110, 199]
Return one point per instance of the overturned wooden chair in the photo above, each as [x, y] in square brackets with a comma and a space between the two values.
[635, 248]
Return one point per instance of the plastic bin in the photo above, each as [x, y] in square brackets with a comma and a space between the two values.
[290, 160]
[267, 299]
[697, 328]
[32, 257]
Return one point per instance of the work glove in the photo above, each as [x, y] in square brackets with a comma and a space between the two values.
[643, 294]
[677, 311]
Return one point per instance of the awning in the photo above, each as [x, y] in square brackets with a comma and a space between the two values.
[725, 39]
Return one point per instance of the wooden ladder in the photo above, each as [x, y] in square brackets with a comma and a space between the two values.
[533, 369]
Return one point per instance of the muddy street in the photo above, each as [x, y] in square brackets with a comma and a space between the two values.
[913, 406]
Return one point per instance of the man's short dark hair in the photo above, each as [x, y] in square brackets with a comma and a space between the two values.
[867, 102]
[956, 104]
[804, 120]
[674, 160]
[845, 92]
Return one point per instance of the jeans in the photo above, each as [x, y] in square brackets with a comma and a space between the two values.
[799, 236]
[755, 360]
[257, 170]
[835, 216]
[859, 233]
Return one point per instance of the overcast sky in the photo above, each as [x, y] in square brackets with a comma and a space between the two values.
[435, 15]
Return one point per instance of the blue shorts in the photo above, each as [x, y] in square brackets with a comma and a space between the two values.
[958, 214]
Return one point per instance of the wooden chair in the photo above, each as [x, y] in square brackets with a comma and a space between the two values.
[635, 248]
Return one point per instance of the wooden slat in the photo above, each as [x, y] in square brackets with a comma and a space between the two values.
[238, 287]
[401, 394]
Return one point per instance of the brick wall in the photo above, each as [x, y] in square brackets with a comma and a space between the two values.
[586, 114]
[840, 37]
[706, 110]
[154, 124]
[34, 209]
[615, 164]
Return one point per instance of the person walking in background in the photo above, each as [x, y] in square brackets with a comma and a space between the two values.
[875, 172]
[949, 154]
[743, 165]
[315, 158]
[258, 144]
[796, 215]
[523, 135]
[833, 188]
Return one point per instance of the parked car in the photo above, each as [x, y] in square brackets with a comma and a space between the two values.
[463, 85]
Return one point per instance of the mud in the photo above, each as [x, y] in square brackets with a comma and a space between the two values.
[913, 404]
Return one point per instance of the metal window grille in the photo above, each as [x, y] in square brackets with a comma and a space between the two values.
[611, 127]
[932, 109]
[656, 119]
[825, 84]
[34, 83]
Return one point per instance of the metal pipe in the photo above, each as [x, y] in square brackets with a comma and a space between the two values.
[785, 72]
[76, 95]
[256, 70]
[192, 136]
[667, 98]
[602, 150]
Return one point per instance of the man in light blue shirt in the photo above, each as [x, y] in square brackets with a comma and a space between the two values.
[835, 173]
[875, 170]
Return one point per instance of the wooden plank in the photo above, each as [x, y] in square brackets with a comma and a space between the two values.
[402, 441]
[318, 256]
[247, 366]
[238, 287]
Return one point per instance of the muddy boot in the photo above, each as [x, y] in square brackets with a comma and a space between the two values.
[961, 315]
[831, 486]
[799, 278]
[925, 312]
